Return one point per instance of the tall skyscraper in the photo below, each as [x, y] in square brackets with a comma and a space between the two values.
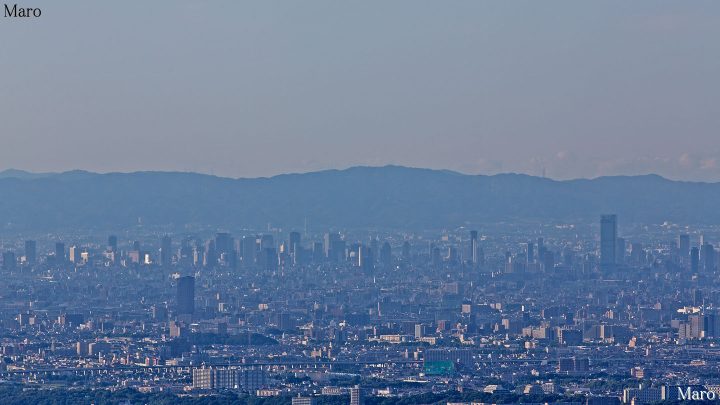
[637, 254]
[365, 258]
[406, 251]
[60, 252]
[334, 246]
[694, 260]
[166, 251]
[198, 252]
[30, 252]
[294, 242]
[375, 249]
[112, 243]
[530, 252]
[683, 247]
[186, 295]
[224, 243]
[9, 261]
[211, 258]
[74, 254]
[708, 257]
[268, 259]
[247, 250]
[386, 255]
[608, 241]
[540, 250]
[318, 252]
[474, 246]
[548, 261]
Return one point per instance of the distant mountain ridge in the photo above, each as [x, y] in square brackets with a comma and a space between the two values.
[359, 197]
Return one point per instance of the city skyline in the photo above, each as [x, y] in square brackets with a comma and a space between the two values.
[366, 203]
[507, 315]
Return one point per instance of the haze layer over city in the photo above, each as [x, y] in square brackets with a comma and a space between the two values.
[411, 202]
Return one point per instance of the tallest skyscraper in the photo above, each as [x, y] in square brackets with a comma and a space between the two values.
[608, 242]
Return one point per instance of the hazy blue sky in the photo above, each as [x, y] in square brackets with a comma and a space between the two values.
[260, 88]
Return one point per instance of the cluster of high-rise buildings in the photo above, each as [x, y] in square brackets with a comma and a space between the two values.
[545, 310]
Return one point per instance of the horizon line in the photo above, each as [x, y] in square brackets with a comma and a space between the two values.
[6, 173]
